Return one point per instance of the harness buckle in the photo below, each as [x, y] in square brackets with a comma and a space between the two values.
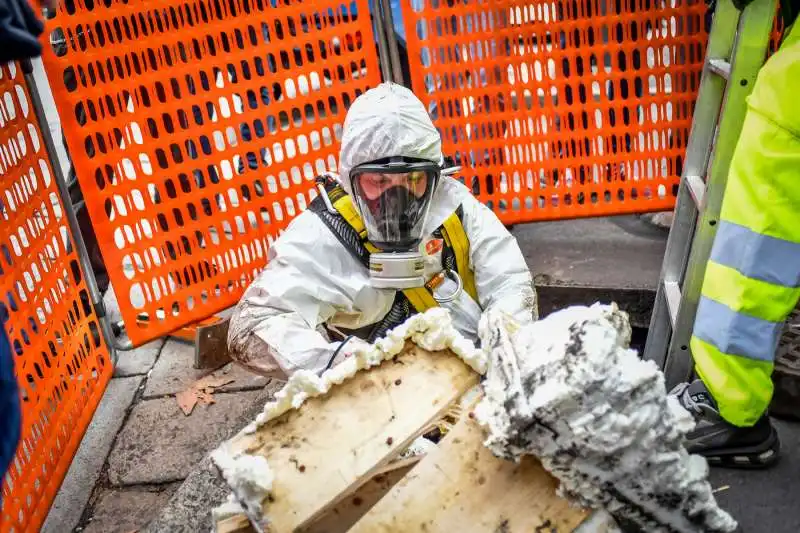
[438, 279]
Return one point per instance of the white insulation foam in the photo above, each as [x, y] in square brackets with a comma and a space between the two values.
[567, 390]
[432, 330]
[250, 477]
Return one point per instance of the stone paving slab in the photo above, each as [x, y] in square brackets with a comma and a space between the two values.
[173, 372]
[127, 510]
[138, 361]
[83, 473]
[189, 509]
[159, 444]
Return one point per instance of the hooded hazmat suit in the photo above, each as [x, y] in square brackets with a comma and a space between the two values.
[312, 285]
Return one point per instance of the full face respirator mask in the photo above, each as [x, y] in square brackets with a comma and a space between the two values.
[394, 196]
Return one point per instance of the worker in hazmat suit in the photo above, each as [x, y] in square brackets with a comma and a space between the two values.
[752, 281]
[388, 237]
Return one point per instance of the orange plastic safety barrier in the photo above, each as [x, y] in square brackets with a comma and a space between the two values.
[562, 108]
[196, 127]
[61, 361]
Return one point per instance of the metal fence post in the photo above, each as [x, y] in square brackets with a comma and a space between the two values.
[383, 47]
[72, 220]
[385, 13]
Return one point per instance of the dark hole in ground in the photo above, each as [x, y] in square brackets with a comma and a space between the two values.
[638, 339]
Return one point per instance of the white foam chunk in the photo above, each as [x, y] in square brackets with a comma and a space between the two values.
[567, 390]
[226, 510]
[249, 476]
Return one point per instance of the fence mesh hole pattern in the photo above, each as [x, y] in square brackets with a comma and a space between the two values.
[196, 128]
[61, 361]
[561, 109]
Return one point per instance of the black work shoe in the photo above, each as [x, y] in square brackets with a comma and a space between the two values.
[720, 442]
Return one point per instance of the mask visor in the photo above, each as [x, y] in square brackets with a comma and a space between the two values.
[394, 201]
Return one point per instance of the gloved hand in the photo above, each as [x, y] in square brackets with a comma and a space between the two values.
[19, 31]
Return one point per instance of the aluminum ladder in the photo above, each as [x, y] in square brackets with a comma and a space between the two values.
[737, 48]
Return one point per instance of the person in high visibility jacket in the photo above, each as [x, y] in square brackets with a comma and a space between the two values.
[324, 290]
[752, 281]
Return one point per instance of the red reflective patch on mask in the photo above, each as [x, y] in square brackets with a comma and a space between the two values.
[434, 246]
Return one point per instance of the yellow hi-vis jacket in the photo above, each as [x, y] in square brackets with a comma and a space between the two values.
[752, 281]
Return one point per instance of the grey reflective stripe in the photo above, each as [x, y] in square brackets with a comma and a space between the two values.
[757, 256]
[736, 333]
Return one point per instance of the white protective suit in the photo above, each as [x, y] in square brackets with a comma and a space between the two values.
[311, 280]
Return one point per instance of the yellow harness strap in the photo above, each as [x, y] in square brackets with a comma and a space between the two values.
[453, 233]
[419, 297]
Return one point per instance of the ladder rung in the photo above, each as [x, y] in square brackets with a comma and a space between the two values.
[697, 188]
[720, 67]
[673, 297]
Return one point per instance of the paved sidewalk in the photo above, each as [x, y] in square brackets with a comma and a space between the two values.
[140, 445]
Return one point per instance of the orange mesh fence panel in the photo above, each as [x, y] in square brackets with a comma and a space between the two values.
[61, 362]
[196, 128]
[561, 109]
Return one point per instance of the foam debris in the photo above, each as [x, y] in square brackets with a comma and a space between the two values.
[567, 390]
[432, 330]
[250, 478]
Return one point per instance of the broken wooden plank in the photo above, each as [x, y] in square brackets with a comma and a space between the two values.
[402, 463]
[341, 518]
[234, 524]
[332, 445]
[462, 486]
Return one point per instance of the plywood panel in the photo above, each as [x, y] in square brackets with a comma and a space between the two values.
[462, 487]
[332, 445]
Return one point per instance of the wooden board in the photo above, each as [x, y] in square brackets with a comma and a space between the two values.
[235, 524]
[342, 517]
[347, 512]
[462, 487]
[332, 445]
